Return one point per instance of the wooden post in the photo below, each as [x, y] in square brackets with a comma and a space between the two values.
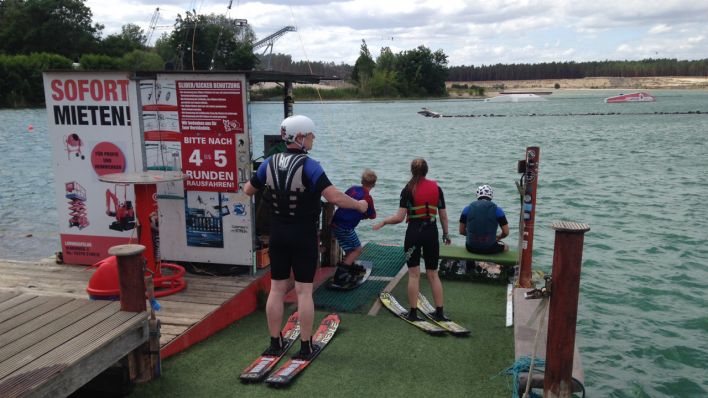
[563, 308]
[131, 276]
[331, 254]
[530, 181]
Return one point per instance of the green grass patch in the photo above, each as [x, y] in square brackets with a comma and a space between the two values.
[370, 356]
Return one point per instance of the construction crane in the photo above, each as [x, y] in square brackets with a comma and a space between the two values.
[151, 27]
[268, 41]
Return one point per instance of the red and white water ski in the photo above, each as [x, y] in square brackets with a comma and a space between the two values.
[265, 363]
[293, 367]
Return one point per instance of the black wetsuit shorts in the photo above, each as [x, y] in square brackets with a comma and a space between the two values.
[423, 235]
[293, 246]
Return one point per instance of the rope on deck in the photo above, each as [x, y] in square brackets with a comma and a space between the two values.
[523, 365]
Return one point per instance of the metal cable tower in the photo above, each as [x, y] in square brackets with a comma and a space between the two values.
[268, 41]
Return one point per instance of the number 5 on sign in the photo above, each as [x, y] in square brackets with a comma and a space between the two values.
[220, 159]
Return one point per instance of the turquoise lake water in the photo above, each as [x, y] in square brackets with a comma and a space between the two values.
[637, 178]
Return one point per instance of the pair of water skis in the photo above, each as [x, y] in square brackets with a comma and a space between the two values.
[262, 366]
[431, 325]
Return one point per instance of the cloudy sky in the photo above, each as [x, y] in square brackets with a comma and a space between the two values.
[470, 32]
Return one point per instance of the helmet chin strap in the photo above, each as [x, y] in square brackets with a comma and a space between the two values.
[302, 143]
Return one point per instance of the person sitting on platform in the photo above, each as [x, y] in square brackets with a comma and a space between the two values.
[344, 222]
[479, 221]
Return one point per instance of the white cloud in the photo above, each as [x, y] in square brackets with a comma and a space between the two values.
[660, 28]
[468, 32]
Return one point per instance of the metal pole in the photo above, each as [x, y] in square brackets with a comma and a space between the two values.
[530, 182]
[288, 99]
[563, 308]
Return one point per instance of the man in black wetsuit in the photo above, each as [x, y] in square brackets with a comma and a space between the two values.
[293, 184]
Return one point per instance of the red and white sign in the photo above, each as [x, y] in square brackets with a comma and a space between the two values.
[210, 106]
[90, 124]
[209, 161]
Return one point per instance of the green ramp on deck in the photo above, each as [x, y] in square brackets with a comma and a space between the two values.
[387, 261]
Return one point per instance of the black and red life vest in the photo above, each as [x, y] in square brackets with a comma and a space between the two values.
[425, 201]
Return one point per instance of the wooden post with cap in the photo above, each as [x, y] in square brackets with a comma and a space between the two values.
[131, 277]
[563, 308]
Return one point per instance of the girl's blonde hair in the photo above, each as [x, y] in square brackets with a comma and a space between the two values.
[368, 178]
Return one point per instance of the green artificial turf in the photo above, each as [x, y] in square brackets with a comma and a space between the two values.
[370, 356]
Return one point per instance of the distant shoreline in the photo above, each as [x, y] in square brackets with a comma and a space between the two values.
[589, 83]
[494, 87]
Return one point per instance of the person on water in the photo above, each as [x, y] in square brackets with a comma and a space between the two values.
[293, 184]
[479, 221]
[420, 204]
[344, 222]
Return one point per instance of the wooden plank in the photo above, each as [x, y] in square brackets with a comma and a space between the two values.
[70, 286]
[179, 320]
[204, 287]
[50, 292]
[524, 336]
[21, 307]
[17, 300]
[200, 280]
[81, 357]
[23, 350]
[187, 293]
[187, 308]
[43, 274]
[509, 305]
[196, 300]
[7, 295]
[44, 267]
[391, 285]
[34, 324]
[48, 304]
[173, 329]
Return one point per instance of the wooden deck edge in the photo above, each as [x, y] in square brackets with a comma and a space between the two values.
[239, 306]
[523, 344]
[391, 285]
[74, 377]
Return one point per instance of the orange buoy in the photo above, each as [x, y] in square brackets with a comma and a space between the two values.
[104, 284]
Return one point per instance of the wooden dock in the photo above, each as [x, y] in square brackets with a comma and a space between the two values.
[207, 305]
[51, 346]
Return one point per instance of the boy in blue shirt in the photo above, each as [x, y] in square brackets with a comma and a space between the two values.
[344, 222]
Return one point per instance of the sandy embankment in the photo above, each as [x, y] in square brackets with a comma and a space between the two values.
[623, 83]
[494, 86]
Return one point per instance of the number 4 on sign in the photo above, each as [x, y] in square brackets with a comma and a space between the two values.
[196, 158]
[220, 159]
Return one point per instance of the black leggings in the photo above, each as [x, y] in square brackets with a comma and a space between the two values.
[423, 235]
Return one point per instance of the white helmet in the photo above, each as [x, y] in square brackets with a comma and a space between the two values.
[486, 191]
[294, 125]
